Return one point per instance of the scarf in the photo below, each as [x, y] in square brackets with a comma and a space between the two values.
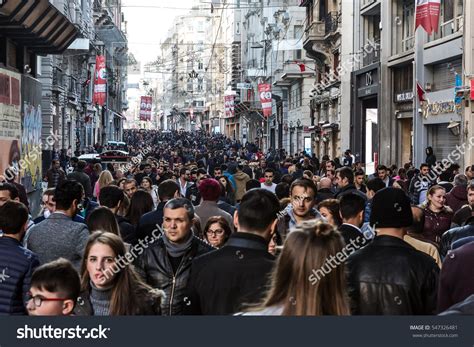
[176, 250]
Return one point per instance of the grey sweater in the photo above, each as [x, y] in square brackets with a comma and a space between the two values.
[100, 300]
[58, 237]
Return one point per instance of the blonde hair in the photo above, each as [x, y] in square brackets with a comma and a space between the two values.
[105, 179]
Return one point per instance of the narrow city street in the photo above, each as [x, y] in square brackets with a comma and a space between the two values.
[237, 157]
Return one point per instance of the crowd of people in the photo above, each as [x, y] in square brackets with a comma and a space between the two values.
[199, 224]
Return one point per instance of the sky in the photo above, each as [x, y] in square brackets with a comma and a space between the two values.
[148, 25]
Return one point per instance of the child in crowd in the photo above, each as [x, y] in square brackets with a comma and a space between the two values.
[55, 287]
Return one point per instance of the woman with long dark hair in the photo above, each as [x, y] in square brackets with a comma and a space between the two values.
[102, 219]
[110, 288]
[297, 286]
[228, 195]
[140, 203]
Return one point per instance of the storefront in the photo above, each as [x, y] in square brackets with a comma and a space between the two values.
[365, 116]
[442, 122]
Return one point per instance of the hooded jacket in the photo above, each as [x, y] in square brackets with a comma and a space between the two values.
[241, 179]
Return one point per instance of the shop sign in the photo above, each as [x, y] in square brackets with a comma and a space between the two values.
[440, 107]
[404, 97]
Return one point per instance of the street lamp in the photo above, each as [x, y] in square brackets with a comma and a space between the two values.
[454, 128]
[298, 123]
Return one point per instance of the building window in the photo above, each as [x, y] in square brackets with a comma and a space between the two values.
[444, 74]
[200, 86]
[296, 96]
[190, 85]
[403, 79]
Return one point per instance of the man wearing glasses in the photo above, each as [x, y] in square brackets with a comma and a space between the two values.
[16, 262]
[268, 184]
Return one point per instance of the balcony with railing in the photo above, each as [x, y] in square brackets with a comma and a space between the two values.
[448, 28]
[372, 55]
[58, 81]
[332, 22]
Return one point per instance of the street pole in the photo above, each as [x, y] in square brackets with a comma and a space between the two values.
[419, 133]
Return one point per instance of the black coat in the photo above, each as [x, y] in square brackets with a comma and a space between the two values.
[223, 280]
[127, 230]
[390, 277]
[324, 194]
[150, 221]
[154, 266]
[350, 189]
[350, 232]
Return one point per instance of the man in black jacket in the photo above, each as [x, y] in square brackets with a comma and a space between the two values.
[221, 282]
[167, 190]
[388, 276]
[166, 263]
[345, 183]
[351, 207]
[112, 197]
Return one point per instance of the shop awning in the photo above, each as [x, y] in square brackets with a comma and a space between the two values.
[38, 25]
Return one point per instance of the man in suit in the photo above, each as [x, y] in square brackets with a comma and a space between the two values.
[351, 207]
[58, 235]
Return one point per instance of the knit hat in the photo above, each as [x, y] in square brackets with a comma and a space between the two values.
[210, 189]
[391, 209]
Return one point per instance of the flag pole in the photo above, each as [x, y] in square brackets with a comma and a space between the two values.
[418, 76]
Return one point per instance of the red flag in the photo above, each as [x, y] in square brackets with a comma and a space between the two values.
[472, 89]
[265, 91]
[421, 92]
[427, 15]
[100, 84]
[301, 66]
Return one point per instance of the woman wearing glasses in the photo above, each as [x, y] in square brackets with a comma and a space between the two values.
[217, 231]
[109, 285]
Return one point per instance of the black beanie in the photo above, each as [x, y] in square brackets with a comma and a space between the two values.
[391, 209]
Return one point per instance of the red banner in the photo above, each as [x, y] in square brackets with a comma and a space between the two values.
[427, 15]
[265, 92]
[100, 83]
[145, 108]
[229, 106]
[472, 89]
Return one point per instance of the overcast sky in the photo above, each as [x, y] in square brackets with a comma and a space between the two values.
[148, 26]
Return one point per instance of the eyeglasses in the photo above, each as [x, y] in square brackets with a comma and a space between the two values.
[38, 300]
[217, 232]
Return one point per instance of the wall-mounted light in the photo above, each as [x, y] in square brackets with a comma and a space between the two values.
[455, 128]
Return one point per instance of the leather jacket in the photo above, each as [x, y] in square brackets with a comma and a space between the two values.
[154, 266]
[390, 277]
